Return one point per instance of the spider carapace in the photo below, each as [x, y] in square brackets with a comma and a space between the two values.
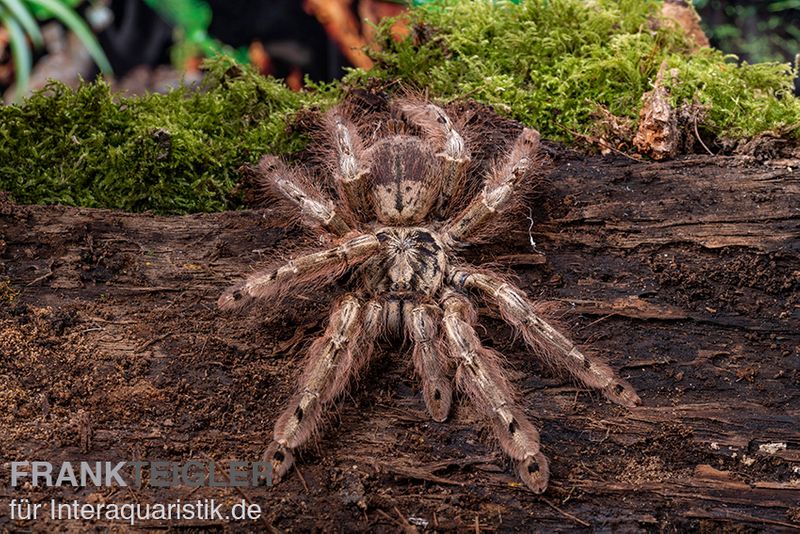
[398, 204]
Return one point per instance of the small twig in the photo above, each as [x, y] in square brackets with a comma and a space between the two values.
[569, 496]
[566, 514]
[44, 276]
[608, 433]
[270, 528]
[385, 86]
[697, 134]
[600, 320]
[101, 320]
[203, 348]
[522, 259]
[302, 479]
[153, 341]
[600, 142]
[407, 527]
[95, 329]
[145, 289]
[388, 517]
[730, 514]
[415, 473]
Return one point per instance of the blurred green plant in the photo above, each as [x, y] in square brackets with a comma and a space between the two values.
[191, 19]
[756, 31]
[417, 3]
[20, 18]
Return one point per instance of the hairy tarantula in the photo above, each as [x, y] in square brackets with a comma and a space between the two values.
[397, 212]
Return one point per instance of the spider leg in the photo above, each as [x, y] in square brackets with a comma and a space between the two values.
[314, 206]
[315, 268]
[351, 169]
[451, 149]
[438, 127]
[480, 375]
[548, 342]
[430, 359]
[333, 360]
[502, 189]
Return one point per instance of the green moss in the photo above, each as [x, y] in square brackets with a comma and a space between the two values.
[742, 100]
[549, 63]
[172, 153]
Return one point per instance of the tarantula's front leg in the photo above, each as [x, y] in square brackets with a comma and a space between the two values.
[351, 169]
[308, 269]
[452, 150]
[333, 360]
[430, 359]
[480, 375]
[439, 128]
[501, 191]
[549, 343]
[312, 203]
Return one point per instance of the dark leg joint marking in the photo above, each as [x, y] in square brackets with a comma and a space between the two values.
[299, 414]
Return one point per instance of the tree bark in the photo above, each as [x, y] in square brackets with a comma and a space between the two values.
[684, 275]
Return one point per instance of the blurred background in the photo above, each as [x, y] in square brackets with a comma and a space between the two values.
[151, 45]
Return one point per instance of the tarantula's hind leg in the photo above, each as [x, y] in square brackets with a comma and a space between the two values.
[333, 360]
[430, 359]
[549, 343]
[480, 375]
[281, 460]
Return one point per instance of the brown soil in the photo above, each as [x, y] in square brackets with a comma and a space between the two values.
[684, 274]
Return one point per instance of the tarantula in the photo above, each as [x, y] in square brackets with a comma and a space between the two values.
[397, 212]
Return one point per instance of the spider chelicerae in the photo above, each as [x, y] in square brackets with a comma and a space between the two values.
[396, 211]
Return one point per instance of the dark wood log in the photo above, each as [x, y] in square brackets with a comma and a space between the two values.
[685, 275]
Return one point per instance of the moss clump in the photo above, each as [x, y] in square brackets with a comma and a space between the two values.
[550, 63]
[172, 153]
[742, 101]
